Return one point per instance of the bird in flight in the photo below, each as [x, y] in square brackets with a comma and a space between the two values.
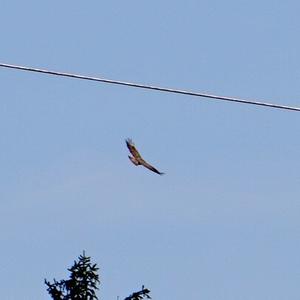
[137, 159]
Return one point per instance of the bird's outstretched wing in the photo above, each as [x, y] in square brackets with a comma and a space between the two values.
[148, 166]
[132, 149]
[137, 158]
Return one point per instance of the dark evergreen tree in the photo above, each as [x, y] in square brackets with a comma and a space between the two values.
[142, 294]
[82, 284]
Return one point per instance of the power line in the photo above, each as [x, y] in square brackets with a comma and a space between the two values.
[150, 87]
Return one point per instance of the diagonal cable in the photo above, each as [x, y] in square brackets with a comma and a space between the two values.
[151, 87]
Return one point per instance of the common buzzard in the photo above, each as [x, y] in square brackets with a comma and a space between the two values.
[137, 159]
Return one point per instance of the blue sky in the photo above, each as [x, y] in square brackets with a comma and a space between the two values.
[223, 223]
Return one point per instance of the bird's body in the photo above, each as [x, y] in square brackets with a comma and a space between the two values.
[137, 159]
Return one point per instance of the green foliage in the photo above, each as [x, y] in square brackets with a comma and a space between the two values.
[82, 284]
[142, 294]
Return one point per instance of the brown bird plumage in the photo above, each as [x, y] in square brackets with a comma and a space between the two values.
[137, 159]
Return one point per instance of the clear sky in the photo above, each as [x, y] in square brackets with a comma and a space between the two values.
[223, 223]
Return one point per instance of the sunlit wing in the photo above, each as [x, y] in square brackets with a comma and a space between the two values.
[133, 150]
